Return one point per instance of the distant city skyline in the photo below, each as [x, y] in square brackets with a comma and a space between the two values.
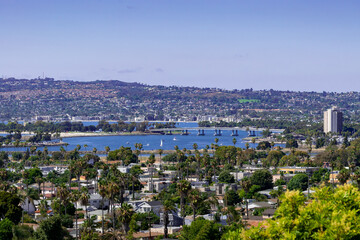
[283, 45]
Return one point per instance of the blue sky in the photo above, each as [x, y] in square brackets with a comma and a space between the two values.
[287, 45]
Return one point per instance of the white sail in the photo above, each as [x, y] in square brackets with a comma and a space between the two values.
[161, 143]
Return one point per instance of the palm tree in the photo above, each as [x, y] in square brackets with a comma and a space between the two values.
[84, 199]
[135, 171]
[272, 144]
[103, 193]
[213, 201]
[72, 170]
[183, 188]
[79, 167]
[112, 189]
[247, 145]
[168, 207]
[234, 141]
[198, 161]
[39, 180]
[195, 200]
[107, 150]
[253, 140]
[214, 164]
[33, 149]
[43, 207]
[88, 229]
[160, 152]
[138, 147]
[63, 194]
[45, 152]
[74, 197]
[233, 215]
[124, 215]
[277, 193]
[246, 184]
[85, 146]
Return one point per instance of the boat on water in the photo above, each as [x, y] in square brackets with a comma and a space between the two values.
[174, 138]
[161, 143]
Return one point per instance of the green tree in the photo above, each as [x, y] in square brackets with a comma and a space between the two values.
[51, 228]
[6, 227]
[31, 174]
[343, 176]
[135, 172]
[292, 143]
[263, 145]
[226, 177]
[298, 182]
[183, 188]
[201, 229]
[160, 152]
[63, 194]
[245, 184]
[84, 199]
[263, 178]
[168, 207]
[124, 216]
[332, 214]
[234, 141]
[319, 175]
[22, 232]
[273, 158]
[195, 199]
[9, 207]
[266, 133]
[232, 198]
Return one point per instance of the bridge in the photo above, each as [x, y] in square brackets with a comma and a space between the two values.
[201, 130]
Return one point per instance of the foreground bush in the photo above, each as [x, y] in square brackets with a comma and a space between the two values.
[332, 214]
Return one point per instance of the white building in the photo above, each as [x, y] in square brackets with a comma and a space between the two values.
[96, 201]
[333, 120]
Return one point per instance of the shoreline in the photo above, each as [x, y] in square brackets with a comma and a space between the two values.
[102, 134]
[36, 145]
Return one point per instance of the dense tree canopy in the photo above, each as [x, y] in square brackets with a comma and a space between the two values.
[332, 214]
[262, 178]
[201, 229]
[298, 182]
[226, 177]
[9, 207]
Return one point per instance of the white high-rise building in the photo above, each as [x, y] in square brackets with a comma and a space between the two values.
[333, 120]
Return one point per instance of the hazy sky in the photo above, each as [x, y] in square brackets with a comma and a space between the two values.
[292, 44]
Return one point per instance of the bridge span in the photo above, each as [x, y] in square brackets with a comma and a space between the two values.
[201, 130]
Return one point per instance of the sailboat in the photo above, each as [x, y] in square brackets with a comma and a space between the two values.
[161, 143]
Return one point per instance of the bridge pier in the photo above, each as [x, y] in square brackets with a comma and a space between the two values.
[217, 132]
[252, 133]
[201, 132]
[185, 132]
[234, 133]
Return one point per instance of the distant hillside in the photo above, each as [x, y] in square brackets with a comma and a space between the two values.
[25, 99]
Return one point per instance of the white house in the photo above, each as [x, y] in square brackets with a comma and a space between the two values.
[96, 201]
[145, 207]
[28, 206]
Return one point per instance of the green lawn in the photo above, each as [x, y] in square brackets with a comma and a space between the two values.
[248, 100]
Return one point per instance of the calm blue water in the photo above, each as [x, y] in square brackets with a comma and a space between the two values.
[151, 142]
